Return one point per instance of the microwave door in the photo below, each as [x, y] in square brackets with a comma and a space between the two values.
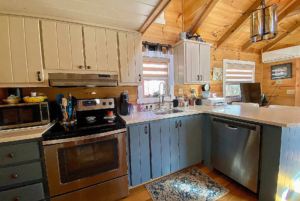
[19, 116]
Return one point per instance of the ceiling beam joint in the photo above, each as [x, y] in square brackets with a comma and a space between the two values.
[163, 4]
[202, 15]
[238, 24]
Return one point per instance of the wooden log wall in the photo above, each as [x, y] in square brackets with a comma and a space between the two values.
[269, 85]
[83, 92]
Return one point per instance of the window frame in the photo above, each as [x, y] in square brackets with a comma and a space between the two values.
[170, 97]
[225, 64]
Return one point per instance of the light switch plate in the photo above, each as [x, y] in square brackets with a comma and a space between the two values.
[180, 91]
[278, 81]
[291, 91]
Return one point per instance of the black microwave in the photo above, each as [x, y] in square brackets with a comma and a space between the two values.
[24, 115]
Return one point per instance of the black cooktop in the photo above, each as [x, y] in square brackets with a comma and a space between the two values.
[59, 131]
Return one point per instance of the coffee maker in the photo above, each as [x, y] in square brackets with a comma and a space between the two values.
[124, 103]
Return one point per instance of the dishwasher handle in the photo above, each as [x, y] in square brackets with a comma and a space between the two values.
[233, 125]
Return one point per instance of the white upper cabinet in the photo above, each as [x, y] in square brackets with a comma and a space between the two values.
[191, 62]
[90, 48]
[131, 61]
[62, 46]
[20, 51]
[100, 47]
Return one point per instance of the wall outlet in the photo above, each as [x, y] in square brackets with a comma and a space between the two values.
[180, 91]
[278, 81]
[291, 91]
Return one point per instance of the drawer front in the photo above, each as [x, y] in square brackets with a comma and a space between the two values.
[20, 173]
[19, 153]
[27, 193]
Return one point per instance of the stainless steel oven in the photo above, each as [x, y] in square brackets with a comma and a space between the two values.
[95, 162]
[24, 114]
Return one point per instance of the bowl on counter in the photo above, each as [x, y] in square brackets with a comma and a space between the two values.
[36, 99]
[12, 101]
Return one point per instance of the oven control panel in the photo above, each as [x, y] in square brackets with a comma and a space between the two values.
[95, 104]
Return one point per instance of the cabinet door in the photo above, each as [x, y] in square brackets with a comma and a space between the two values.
[112, 51]
[131, 58]
[204, 63]
[192, 54]
[33, 50]
[174, 146]
[183, 142]
[50, 49]
[124, 69]
[77, 47]
[101, 49]
[156, 146]
[5, 52]
[64, 46]
[138, 57]
[160, 148]
[165, 146]
[18, 50]
[190, 140]
[90, 48]
[139, 154]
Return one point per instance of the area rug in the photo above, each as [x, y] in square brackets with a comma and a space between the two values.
[187, 185]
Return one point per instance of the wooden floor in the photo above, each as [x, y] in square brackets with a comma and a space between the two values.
[236, 191]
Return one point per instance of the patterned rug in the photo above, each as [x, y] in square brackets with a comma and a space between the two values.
[189, 185]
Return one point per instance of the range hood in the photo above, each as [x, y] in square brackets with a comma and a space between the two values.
[82, 80]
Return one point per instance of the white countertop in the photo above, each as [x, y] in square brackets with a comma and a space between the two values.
[23, 133]
[273, 116]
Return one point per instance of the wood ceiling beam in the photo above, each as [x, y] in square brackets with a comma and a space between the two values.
[238, 24]
[163, 4]
[290, 8]
[202, 15]
[281, 37]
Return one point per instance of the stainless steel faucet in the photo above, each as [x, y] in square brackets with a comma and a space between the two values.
[161, 97]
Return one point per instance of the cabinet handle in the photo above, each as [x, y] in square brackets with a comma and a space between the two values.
[88, 67]
[176, 124]
[145, 130]
[201, 77]
[80, 67]
[11, 155]
[16, 198]
[140, 77]
[38, 75]
[14, 176]
[198, 77]
[180, 123]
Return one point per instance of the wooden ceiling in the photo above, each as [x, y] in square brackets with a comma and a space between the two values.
[227, 22]
[126, 14]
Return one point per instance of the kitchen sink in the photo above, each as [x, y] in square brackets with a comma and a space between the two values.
[164, 112]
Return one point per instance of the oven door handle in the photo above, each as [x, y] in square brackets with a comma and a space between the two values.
[87, 137]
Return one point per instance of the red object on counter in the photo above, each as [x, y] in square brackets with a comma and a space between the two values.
[110, 113]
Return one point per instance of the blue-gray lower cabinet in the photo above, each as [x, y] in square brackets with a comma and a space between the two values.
[139, 149]
[161, 147]
[190, 140]
[22, 171]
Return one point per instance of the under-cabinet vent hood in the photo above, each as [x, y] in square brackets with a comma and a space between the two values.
[281, 55]
[82, 80]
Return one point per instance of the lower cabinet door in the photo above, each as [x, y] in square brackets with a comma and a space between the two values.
[27, 193]
[190, 140]
[139, 154]
[160, 148]
[174, 144]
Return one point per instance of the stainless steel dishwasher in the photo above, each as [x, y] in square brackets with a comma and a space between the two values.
[235, 150]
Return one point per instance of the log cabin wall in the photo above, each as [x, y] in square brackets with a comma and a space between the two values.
[269, 85]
